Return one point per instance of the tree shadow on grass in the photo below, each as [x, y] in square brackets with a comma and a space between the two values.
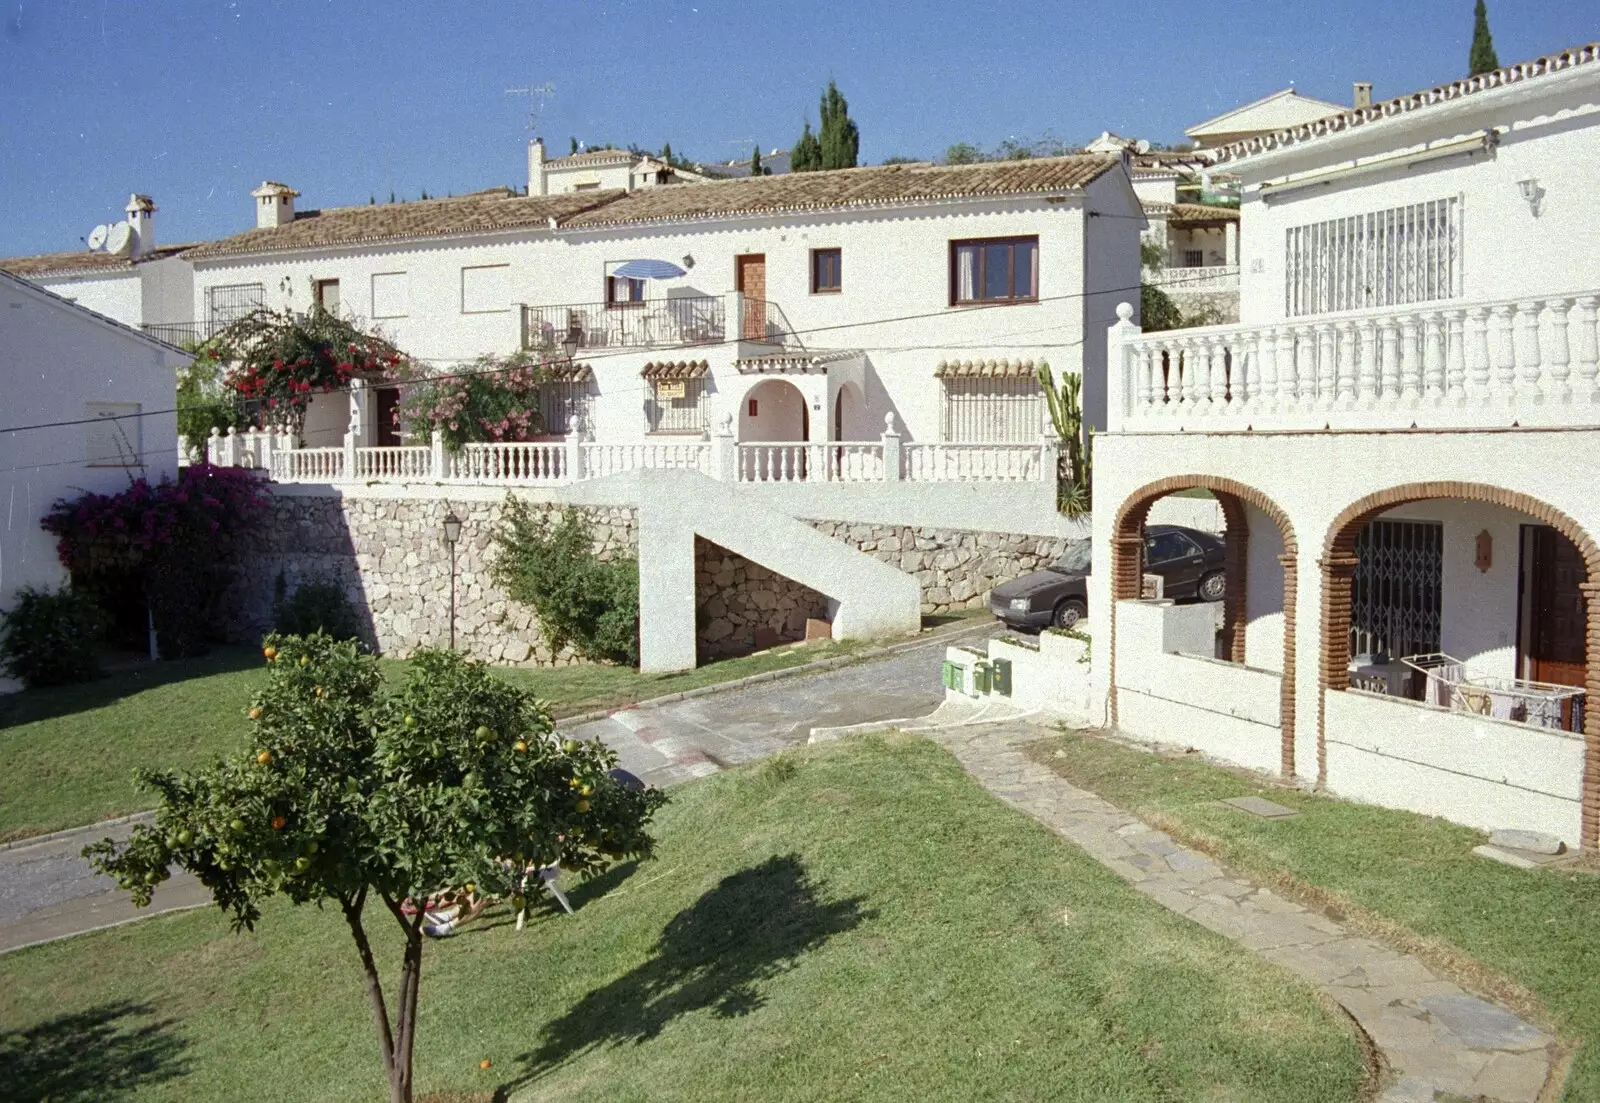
[101, 1055]
[715, 954]
[50, 702]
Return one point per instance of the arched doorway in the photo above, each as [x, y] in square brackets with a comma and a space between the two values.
[849, 414]
[1127, 573]
[774, 410]
[1340, 562]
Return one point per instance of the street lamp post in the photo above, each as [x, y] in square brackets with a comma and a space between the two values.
[452, 534]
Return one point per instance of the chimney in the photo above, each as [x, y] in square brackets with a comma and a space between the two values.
[274, 204]
[536, 167]
[141, 211]
[1363, 93]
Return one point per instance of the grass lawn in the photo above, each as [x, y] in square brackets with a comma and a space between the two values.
[69, 752]
[1530, 938]
[858, 921]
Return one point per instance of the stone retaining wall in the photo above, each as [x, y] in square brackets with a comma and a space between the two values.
[1225, 303]
[744, 607]
[389, 555]
[392, 560]
[956, 568]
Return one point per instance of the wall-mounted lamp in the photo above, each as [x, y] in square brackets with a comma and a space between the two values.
[1532, 194]
[688, 260]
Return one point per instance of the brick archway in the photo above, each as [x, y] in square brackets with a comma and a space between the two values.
[1127, 572]
[1338, 566]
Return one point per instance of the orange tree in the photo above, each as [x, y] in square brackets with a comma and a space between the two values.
[350, 793]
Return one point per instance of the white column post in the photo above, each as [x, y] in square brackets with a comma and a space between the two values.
[437, 459]
[891, 450]
[1585, 348]
[733, 324]
[349, 456]
[724, 450]
[230, 447]
[574, 457]
[266, 444]
[1230, 243]
[1121, 389]
[213, 447]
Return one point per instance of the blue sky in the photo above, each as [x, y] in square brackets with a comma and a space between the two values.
[196, 101]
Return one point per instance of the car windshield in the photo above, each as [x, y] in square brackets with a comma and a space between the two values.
[1075, 558]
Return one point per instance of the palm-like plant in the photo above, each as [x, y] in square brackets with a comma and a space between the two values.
[1066, 414]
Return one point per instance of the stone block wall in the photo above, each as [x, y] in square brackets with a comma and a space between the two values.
[1225, 303]
[391, 558]
[956, 568]
[744, 607]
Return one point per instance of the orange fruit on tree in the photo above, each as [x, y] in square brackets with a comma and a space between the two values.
[265, 758]
[270, 653]
[255, 714]
[278, 822]
[485, 1063]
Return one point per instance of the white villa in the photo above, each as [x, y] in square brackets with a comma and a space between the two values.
[110, 388]
[1404, 436]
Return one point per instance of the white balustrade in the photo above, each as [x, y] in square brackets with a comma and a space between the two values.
[952, 462]
[1441, 364]
[391, 463]
[810, 462]
[1217, 277]
[507, 462]
[612, 459]
[308, 465]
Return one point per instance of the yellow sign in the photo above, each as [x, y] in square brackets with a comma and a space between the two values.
[671, 389]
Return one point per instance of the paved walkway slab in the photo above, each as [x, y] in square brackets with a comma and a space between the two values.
[1439, 1041]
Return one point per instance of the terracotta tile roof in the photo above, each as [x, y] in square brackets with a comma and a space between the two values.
[858, 187]
[569, 373]
[986, 369]
[1196, 212]
[480, 212]
[793, 363]
[676, 369]
[1416, 101]
[594, 157]
[82, 262]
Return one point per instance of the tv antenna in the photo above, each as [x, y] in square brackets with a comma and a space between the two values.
[538, 96]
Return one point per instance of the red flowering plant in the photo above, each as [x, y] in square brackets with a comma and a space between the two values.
[493, 398]
[278, 360]
[173, 540]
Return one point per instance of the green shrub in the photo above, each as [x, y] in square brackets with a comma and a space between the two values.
[579, 599]
[317, 606]
[49, 638]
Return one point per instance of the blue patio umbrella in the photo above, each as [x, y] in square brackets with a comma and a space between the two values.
[648, 270]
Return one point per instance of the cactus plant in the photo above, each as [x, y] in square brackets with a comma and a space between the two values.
[1066, 414]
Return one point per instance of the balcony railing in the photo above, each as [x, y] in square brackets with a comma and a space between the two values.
[1446, 364]
[1218, 277]
[691, 320]
[558, 463]
[183, 333]
[764, 322]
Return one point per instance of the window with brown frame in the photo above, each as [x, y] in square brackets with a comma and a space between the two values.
[994, 270]
[826, 271]
[624, 291]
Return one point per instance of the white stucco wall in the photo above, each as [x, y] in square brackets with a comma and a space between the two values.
[54, 359]
[119, 296]
[1487, 774]
[1189, 699]
[1263, 601]
[1549, 132]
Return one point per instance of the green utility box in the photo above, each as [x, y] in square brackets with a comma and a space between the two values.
[1000, 679]
[953, 675]
[982, 677]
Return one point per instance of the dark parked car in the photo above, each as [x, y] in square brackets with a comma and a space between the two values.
[1189, 562]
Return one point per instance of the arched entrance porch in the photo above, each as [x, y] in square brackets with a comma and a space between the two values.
[1339, 566]
[1127, 572]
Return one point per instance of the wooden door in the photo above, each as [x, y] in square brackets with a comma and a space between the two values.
[750, 277]
[1557, 623]
[388, 405]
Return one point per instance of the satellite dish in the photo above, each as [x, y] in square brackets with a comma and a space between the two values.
[1141, 146]
[98, 235]
[119, 239]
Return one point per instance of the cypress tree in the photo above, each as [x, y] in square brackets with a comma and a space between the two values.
[755, 163]
[838, 137]
[574, 148]
[1483, 58]
[666, 153]
[807, 153]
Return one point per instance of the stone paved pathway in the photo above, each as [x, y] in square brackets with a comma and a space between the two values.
[1439, 1041]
